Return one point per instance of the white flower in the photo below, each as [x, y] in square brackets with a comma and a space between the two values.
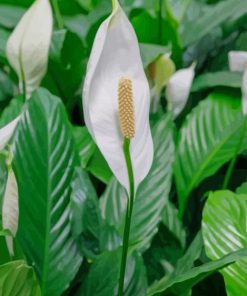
[7, 131]
[178, 89]
[10, 210]
[28, 46]
[238, 62]
[115, 64]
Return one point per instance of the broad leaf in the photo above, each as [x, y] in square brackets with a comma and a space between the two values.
[12, 111]
[206, 141]
[18, 279]
[44, 161]
[85, 216]
[222, 78]
[177, 285]
[149, 203]
[224, 228]
[214, 16]
[104, 275]
[150, 52]
[173, 223]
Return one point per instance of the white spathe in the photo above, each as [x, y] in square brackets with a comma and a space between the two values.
[116, 54]
[178, 89]
[7, 131]
[10, 210]
[28, 46]
[237, 60]
[238, 63]
[244, 92]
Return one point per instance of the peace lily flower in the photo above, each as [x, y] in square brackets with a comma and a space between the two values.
[116, 98]
[178, 89]
[28, 45]
[160, 71]
[238, 62]
[7, 131]
[10, 210]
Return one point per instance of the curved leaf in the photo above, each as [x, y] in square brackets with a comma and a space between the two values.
[18, 279]
[172, 222]
[207, 140]
[181, 283]
[104, 274]
[12, 111]
[85, 216]
[149, 203]
[224, 228]
[44, 161]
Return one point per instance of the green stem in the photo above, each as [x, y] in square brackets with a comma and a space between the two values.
[234, 159]
[58, 15]
[160, 28]
[126, 150]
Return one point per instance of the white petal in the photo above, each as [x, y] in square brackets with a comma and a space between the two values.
[10, 211]
[244, 93]
[178, 89]
[237, 60]
[116, 54]
[7, 131]
[28, 45]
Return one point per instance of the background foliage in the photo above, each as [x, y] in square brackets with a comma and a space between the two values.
[71, 207]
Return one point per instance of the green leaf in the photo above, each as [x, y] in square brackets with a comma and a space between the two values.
[207, 140]
[3, 181]
[6, 85]
[212, 17]
[177, 285]
[224, 231]
[18, 279]
[149, 203]
[85, 216]
[172, 222]
[242, 189]
[84, 143]
[11, 111]
[150, 52]
[10, 15]
[98, 167]
[221, 78]
[104, 274]
[4, 35]
[44, 161]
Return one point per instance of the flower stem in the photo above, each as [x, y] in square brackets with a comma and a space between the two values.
[126, 150]
[57, 14]
[234, 159]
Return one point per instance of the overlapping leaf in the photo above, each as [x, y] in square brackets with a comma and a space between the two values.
[207, 140]
[224, 231]
[44, 160]
[18, 279]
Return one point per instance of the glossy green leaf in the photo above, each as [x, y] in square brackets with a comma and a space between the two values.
[242, 189]
[85, 216]
[44, 154]
[104, 273]
[11, 111]
[84, 143]
[222, 78]
[18, 279]
[177, 285]
[149, 203]
[212, 18]
[4, 35]
[173, 223]
[207, 140]
[224, 227]
[10, 15]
